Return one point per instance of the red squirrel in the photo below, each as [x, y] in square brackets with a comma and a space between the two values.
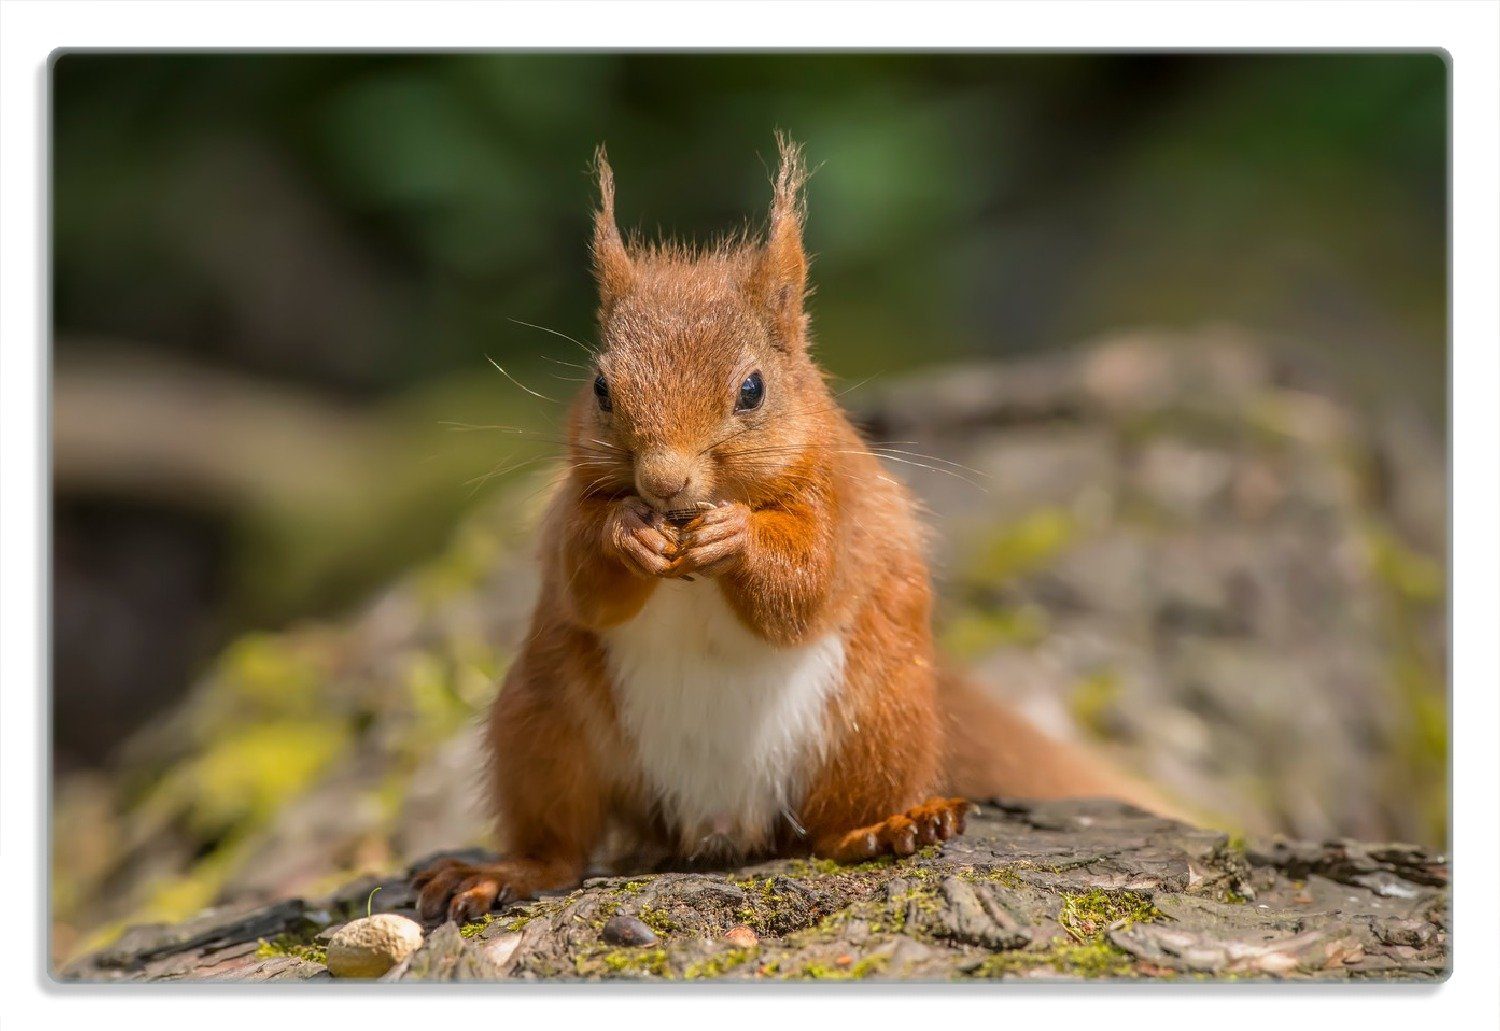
[732, 651]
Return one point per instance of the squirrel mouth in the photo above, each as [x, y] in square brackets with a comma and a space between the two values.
[683, 516]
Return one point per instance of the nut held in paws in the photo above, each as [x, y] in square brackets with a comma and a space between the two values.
[370, 946]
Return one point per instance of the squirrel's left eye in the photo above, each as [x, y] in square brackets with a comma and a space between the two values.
[601, 393]
[752, 392]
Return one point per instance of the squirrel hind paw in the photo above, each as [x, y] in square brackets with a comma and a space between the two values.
[934, 821]
[463, 892]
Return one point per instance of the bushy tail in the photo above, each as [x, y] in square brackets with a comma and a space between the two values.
[992, 750]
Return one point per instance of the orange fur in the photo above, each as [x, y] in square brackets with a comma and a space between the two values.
[800, 528]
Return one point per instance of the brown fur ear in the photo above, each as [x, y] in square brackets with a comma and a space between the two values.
[612, 267]
[778, 280]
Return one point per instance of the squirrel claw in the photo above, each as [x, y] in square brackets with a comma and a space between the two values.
[462, 891]
[935, 820]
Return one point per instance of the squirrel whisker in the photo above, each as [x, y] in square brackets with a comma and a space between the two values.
[517, 382]
[554, 332]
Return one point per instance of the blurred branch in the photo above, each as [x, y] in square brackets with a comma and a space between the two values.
[127, 421]
[326, 499]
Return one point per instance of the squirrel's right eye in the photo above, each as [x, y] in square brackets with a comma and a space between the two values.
[601, 393]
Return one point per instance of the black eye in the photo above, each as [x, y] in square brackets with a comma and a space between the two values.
[601, 392]
[752, 392]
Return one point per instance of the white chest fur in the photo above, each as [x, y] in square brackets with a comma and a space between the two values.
[726, 726]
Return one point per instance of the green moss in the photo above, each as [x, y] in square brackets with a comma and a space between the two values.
[390, 795]
[178, 898]
[622, 962]
[658, 920]
[1098, 958]
[475, 927]
[767, 911]
[876, 865]
[881, 914]
[970, 634]
[1413, 576]
[290, 945]
[1004, 875]
[815, 866]
[924, 896]
[244, 778]
[269, 675]
[891, 919]
[826, 929]
[718, 964]
[462, 566]
[1004, 964]
[1422, 756]
[602, 912]
[517, 921]
[1419, 760]
[856, 970]
[1087, 917]
[1092, 702]
[1094, 958]
[438, 705]
[1027, 544]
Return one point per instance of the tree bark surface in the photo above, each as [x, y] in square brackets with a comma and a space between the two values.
[1058, 890]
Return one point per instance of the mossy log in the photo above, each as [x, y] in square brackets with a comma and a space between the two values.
[1062, 890]
[1181, 550]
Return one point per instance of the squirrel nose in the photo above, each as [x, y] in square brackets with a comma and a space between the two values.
[661, 477]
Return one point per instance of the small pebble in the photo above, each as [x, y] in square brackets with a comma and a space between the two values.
[741, 937]
[370, 946]
[628, 930]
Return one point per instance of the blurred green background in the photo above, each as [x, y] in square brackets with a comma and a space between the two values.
[276, 277]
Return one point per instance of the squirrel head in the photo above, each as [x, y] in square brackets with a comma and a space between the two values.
[703, 389]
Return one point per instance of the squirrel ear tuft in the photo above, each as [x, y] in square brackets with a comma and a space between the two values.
[612, 267]
[779, 278]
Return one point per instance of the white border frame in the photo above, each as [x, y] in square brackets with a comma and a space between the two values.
[30, 30]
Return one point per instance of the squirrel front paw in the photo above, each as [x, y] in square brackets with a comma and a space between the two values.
[636, 536]
[714, 542]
